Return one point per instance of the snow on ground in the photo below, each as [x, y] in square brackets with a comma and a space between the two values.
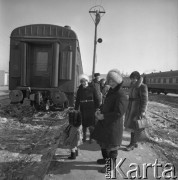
[26, 136]
[163, 113]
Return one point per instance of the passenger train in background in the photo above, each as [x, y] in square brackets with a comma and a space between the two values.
[159, 82]
[45, 63]
[162, 82]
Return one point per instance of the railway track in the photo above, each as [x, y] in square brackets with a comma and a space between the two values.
[164, 125]
[169, 120]
[164, 99]
[43, 142]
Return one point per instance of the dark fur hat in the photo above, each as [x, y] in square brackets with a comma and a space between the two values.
[96, 74]
[135, 74]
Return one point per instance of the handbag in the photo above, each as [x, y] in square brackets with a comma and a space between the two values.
[143, 123]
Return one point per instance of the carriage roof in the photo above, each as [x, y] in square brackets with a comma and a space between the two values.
[44, 31]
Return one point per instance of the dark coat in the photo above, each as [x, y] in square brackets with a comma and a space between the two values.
[87, 108]
[138, 99]
[109, 131]
[96, 85]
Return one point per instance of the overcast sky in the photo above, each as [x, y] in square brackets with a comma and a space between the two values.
[137, 34]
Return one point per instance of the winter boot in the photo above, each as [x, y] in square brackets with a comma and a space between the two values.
[105, 155]
[84, 137]
[84, 134]
[91, 129]
[112, 167]
[133, 143]
[91, 140]
[72, 156]
[76, 152]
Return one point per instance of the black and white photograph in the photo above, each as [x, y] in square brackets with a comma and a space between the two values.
[88, 89]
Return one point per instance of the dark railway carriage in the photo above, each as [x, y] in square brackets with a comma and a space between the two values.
[162, 82]
[45, 63]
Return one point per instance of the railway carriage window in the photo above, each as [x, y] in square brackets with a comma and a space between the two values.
[66, 66]
[170, 80]
[15, 64]
[42, 61]
[164, 80]
[77, 77]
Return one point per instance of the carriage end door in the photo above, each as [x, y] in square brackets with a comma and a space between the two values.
[40, 65]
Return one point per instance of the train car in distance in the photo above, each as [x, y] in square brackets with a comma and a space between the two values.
[162, 82]
[45, 64]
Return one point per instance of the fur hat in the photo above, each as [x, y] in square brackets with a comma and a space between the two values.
[96, 74]
[115, 75]
[84, 77]
[135, 74]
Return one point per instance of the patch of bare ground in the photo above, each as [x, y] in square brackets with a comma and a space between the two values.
[28, 140]
[163, 133]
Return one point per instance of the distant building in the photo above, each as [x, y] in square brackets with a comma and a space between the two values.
[4, 78]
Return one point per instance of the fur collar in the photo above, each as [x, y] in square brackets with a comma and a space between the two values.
[138, 83]
[115, 89]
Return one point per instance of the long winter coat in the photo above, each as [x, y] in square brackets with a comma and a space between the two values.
[87, 108]
[96, 85]
[109, 131]
[138, 99]
[73, 136]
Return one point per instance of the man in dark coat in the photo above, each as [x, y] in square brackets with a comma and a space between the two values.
[96, 84]
[109, 128]
[138, 100]
[88, 101]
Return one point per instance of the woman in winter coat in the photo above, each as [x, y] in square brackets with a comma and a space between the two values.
[138, 99]
[88, 101]
[109, 128]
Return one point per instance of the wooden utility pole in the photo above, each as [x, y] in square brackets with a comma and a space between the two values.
[97, 11]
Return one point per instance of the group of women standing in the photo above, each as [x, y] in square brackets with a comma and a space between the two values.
[108, 121]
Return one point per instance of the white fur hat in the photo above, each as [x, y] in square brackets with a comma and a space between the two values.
[84, 77]
[115, 75]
